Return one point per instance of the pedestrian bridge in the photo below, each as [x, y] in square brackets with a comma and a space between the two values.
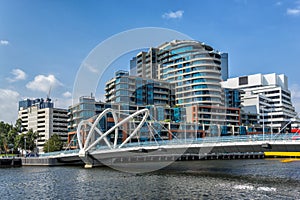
[98, 147]
[168, 151]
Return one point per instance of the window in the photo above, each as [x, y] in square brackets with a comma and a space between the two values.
[243, 80]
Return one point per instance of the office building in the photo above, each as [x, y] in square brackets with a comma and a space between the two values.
[232, 98]
[224, 66]
[41, 116]
[146, 64]
[266, 95]
[138, 91]
[86, 108]
[133, 67]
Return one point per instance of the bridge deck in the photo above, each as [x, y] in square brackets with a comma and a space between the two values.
[209, 147]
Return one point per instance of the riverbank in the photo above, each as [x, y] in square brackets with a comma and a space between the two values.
[10, 162]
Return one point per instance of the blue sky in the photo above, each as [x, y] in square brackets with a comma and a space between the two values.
[43, 43]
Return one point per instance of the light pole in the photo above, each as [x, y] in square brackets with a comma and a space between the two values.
[263, 110]
[184, 116]
[25, 137]
[196, 130]
[36, 146]
[272, 109]
[263, 121]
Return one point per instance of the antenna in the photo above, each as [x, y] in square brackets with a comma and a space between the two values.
[49, 92]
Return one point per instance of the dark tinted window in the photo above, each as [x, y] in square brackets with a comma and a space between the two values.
[243, 80]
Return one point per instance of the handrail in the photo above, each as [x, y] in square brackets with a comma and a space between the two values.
[206, 140]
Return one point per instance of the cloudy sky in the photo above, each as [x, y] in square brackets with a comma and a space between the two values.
[43, 43]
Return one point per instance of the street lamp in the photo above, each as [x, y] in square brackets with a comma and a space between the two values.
[196, 130]
[272, 109]
[36, 145]
[263, 116]
[25, 137]
[184, 116]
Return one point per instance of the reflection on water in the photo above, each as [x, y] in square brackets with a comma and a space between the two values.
[232, 179]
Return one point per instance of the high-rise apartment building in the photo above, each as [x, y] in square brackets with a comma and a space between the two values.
[193, 67]
[138, 91]
[232, 98]
[85, 109]
[267, 95]
[195, 70]
[224, 66]
[133, 66]
[41, 116]
[146, 64]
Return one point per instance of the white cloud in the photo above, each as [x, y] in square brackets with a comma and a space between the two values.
[9, 105]
[293, 11]
[67, 94]
[279, 3]
[43, 83]
[18, 75]
[173, 15]
[4, 42]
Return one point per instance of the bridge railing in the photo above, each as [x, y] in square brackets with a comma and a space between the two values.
[55, 153]
[223, 139]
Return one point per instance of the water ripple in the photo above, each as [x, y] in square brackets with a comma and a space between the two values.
[244, 179]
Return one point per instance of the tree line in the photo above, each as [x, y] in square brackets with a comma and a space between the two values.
[12, 139]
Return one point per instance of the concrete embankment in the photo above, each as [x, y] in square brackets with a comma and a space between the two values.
[10, 162]
[39, 161]
[52, 161]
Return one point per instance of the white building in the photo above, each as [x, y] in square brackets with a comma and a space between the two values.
[267, 95]
[41, 117]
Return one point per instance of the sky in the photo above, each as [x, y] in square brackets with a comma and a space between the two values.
[43, 43]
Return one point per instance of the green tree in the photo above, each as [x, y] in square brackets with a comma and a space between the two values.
[11, 136]
[18, 125]
[30, 140]
[53, 144]
[19, 140]
[4, 130]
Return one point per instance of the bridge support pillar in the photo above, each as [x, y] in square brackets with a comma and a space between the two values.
[87, 159]
[88, 166]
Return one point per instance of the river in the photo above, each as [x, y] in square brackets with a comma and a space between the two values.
[218, 179]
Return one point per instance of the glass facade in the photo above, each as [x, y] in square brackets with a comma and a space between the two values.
[232, 98]
[139, 91]
[195, 70]
[224, 66]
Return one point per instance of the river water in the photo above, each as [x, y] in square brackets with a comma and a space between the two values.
[219, 179]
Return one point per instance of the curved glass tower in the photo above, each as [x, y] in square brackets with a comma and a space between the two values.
[195, 70]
